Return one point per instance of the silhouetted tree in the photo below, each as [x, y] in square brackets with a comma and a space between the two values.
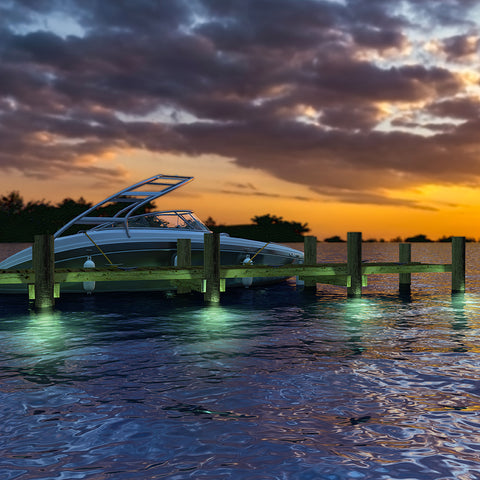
[265, 228]
[12, 203]
[333, 239]
[269, 220]
[210, 222]
[265, 220]
[418, 238]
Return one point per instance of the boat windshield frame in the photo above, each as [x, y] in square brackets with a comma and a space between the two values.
[128, 201]
[173, 219]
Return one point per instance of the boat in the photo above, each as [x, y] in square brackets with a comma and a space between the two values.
[131, 236]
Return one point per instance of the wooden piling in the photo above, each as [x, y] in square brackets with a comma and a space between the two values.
[211, 262]
[354, 263]
[44, 268]
[404, 257]
[458, 264]
[184, 260]
[310, 258]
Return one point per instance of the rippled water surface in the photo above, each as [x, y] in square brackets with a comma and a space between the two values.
[271, 384]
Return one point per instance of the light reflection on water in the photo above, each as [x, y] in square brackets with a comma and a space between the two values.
[271, 384]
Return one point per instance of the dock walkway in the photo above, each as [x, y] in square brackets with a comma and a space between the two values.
[44, 279]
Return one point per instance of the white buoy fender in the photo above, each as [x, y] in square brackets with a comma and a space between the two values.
[89, 287]
[247, 281]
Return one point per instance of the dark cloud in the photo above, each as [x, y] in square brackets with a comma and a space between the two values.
[377, 199]
[248, 189]
[462, 108]
[361, 117]
[460, 46]
[297, 88]
[378, 39]
[267, 195]
[242, 186]
[359, 161]
[137, 17]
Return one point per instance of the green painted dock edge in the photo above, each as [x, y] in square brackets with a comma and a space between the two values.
[44, 280]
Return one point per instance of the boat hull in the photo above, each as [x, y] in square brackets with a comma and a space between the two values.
[149, 249]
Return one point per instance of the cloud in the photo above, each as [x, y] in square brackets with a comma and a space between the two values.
[461, 46]
[461, 108]
[326, 94]
[360, 197]
[250, 190]
[242, 186]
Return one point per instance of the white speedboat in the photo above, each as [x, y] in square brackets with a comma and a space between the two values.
[130, 239]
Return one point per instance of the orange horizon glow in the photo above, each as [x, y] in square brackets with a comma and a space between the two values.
[215, 193]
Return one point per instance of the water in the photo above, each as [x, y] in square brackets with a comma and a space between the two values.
[271, 384]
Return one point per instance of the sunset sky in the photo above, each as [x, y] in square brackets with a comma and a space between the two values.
[350, 115]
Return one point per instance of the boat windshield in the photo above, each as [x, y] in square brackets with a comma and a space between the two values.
[184, 219]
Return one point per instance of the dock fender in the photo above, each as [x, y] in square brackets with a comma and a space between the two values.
[89, 287]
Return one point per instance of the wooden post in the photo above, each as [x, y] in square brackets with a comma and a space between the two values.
[184, 260]
[354, 263]
[310, 258]
[211, 262]
[458, 264]
[405, 256]
[44, 268]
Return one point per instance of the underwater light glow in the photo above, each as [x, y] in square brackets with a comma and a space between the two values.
[44, 331]
[360, 309]
[467, 307]
[215, 318]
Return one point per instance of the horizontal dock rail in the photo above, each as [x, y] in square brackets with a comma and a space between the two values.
[44, 279]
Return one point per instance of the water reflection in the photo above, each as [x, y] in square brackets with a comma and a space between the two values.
[357, 313]
[466, 309]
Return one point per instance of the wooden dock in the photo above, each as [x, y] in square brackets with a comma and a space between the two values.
[44, 280]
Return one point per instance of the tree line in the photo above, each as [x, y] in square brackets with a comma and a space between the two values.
[20, 221]
[266, 228]
[420, 238]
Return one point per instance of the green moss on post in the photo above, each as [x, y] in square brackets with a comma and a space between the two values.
[405, 279]
[44, 268]
[184, 260]
[354, 263]
[458, 264]
[310, 258]
[211, 259]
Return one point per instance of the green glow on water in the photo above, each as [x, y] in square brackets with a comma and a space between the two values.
[44, 330]
[359, 309]
[214, 318]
